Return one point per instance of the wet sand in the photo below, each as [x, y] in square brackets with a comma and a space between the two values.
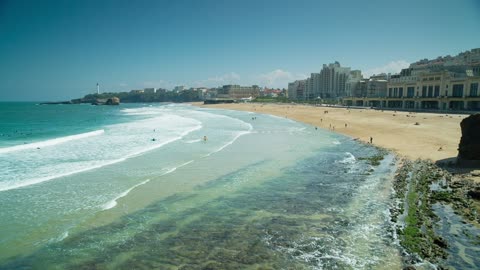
[436, 137]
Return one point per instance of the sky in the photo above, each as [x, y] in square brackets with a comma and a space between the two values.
[59, 50]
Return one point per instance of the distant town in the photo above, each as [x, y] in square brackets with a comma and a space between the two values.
[444, 83]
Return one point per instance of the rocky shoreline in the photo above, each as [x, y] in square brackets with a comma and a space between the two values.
[418, 185]
[93, 101]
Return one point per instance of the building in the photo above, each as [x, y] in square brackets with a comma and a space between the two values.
[352, 83]
[333, 79]
[149, 90]
[331, 82]
[296, 90]
[309, 93]
[445, 83]
[137, 91]
[179, 88]
[237, 92]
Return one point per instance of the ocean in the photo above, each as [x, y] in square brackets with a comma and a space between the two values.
[172, 186]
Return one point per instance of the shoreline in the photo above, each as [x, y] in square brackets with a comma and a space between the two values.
[417, 170]
[426, 136]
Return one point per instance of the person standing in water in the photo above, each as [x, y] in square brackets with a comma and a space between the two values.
[204, 138]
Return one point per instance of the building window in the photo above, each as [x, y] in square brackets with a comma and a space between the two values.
[410, 91]
[430, 91]
[424, 91]
[395, 91]
[457, 90]
[474, 89]
[389, 92]
[400, 92]
[437, 91]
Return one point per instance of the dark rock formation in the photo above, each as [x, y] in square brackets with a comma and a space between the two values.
[113, 101]
[109, 101]
[469, 147]
[56, 103]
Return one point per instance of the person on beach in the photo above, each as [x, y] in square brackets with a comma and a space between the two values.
[371, 140]
[345, 125]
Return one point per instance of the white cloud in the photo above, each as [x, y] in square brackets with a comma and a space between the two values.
[392, 67]
[278, 78]
[228, 78]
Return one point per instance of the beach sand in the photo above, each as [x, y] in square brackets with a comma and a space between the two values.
[392, 130]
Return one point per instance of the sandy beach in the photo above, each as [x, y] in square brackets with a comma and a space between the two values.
[436, 137]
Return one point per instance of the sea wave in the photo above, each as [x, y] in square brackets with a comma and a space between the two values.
[193, 141]
[9, 185]
[51, 142]
[239, 134]
[349, 159]
[113, 202]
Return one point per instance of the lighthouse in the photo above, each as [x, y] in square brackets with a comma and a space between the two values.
[98, 89]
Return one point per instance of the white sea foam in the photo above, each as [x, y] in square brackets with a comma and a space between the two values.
[128, 140]
[193, 141]
[349, 159]
[113, 202]
[63, 236]
[50, 142]
[336, 142]
[232, 141]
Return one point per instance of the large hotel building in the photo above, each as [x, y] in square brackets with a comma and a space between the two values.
[445, 83]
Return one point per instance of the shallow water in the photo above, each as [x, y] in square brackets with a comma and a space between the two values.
[268, 193]
[463, 239]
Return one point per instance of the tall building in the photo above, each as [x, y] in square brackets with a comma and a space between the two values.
[333, 79]
[296, 90]
[351, 85]
[309, 92]
[445, 83]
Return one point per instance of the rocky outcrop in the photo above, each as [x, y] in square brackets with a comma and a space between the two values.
[113, 101]
[109, 101]
[469, 147]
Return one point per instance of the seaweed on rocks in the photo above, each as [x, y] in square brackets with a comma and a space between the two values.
[418, 185]
[375, 159]
[414, 216]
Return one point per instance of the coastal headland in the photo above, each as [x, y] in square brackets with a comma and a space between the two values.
[427, 136]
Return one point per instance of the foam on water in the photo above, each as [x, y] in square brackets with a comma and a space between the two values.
[113, 202]
[193, 141]
[117, 143]
[238, 135]
[50, 142]
[349, 159]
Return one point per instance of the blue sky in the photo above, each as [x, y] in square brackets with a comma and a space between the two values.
[55, 50]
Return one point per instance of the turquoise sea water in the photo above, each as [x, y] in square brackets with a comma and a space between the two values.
[87, 187]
